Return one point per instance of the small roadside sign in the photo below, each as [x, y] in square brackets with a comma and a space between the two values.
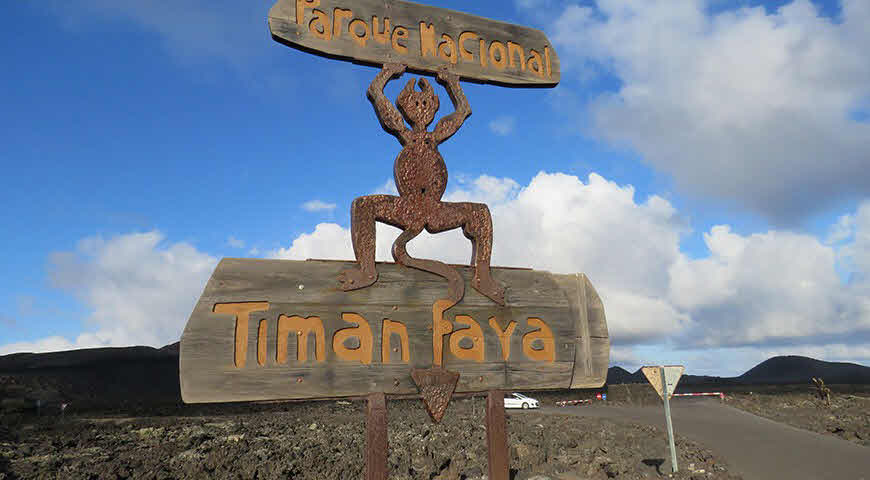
[672, 374]
[664, 379]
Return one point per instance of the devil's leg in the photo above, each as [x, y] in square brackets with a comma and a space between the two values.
[476, 223]
[478, 229]
[364, 212]
[455, 283]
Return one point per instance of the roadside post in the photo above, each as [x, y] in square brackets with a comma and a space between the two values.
[664, 380]
[278, 330]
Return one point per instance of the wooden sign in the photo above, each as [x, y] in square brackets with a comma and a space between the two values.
[419, 36]
[672, 374]
[279, 329]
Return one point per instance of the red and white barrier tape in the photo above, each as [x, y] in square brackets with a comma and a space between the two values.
[564, 403]
[705, 394]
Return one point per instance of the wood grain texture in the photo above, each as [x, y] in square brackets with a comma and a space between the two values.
[422, 37]
[290, 355]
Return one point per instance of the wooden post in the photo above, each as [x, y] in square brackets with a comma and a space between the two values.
[496, 436]
[376, 437]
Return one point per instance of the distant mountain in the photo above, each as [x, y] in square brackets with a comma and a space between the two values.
[795, 369]
[104, 378]
[618, 375]
[18, 362]
[789, 369]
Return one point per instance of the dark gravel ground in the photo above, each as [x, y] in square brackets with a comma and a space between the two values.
[325, 440]
[847, 417]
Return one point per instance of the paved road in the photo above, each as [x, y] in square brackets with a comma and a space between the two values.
[757, 448]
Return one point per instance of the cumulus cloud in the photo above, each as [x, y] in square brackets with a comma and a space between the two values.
[503, 125]
[556, 223]
[777, 291]
[752, 107]
[328, 241]
[752, 296]
[857, 253]
[138, 288]
[318, 206]
[775, 287]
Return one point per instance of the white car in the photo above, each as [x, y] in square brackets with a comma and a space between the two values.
[518, 400]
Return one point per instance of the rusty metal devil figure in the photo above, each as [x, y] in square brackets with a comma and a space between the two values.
[421, 179]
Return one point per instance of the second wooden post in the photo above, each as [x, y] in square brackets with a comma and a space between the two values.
[376, 437]
[496, 436]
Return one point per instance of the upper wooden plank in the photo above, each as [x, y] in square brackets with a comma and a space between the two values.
[420, 36]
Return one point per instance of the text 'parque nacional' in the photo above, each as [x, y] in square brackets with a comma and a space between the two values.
[420, 36]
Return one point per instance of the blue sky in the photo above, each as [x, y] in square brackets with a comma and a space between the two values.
[705, 163]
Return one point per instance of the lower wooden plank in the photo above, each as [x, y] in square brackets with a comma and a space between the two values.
[272, 329]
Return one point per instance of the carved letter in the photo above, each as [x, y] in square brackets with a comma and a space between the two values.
[440, 327]
[427, 40]
[319, 25]
[482, 52]
[241, 312]
[261, 342]
[475, 352]
[301, 328]
[501, 62]
[463, 52]
[301, 5]
[536, 63]
[400, 33]
[504, 337]
[516, 50]
[363, 332]
[549, 66]
[337, 15]
[353, 28]
[399, 329]
[380, 37]
[447, 49]
[545, 335]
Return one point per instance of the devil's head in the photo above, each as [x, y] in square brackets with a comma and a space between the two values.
[418, 107]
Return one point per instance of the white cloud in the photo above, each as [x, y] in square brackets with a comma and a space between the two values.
[763, 291]
[749, 107]
[775, 287]
[752, 296]
[327, 241]
[503, 125]
[555, 223]
[858, 252]
[317, 206]
[388, 188]
[842, 230]
[138, 289]
[235, 242]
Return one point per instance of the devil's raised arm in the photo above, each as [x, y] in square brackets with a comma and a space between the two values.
[390, 118]
[449, 124]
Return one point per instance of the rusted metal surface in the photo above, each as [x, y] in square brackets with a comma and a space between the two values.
[376, 437]
[436, 386]
[496, 436]
[421, 179]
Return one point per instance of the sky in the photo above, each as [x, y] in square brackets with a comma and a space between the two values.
[705, 162]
